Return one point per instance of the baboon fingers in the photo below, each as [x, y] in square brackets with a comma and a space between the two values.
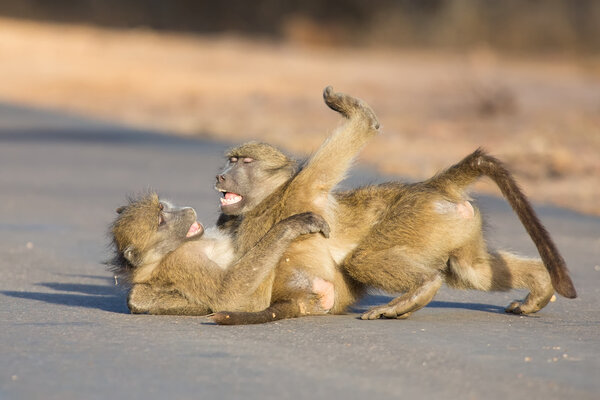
[370, 315]
[385, 311]
[308, 222]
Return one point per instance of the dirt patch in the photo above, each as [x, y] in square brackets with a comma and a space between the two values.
[541, 115]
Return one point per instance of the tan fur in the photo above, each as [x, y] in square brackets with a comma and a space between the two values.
[172, 273]
[425, 233]
[409, 238]
[307, 189]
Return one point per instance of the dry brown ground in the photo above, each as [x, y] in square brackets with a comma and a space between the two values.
[541, 115]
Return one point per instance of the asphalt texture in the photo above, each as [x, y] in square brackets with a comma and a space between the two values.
[65, 331]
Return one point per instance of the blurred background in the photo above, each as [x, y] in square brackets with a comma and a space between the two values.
[520, 78]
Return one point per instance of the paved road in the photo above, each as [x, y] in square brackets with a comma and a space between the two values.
[65, 332]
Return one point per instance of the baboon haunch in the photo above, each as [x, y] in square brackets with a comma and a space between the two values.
[177, 268]
[426, 233]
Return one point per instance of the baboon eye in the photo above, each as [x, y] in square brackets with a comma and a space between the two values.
[233, 159]
[248, 160]
[161, 206]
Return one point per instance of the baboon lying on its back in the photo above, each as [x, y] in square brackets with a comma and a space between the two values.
[177, 268]
[398, 237]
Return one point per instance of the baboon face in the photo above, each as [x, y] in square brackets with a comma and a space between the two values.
[253, 171]
[147, 229]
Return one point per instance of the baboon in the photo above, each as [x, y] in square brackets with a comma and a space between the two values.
[398, 237]
[425, 233]
[250, 209]
[177, 268]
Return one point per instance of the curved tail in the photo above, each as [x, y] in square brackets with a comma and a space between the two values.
[478, 164]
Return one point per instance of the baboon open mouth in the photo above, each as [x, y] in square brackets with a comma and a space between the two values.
[195, 229]
[230, 198]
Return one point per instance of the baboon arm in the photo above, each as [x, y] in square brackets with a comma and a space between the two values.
[328, 166]
[147, 299]
[235, 287]
[198, 277]
[241, 280]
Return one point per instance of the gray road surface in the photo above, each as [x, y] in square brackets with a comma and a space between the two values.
[65, 332]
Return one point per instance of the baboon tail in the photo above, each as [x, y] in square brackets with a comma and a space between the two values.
[478, 164]
[277, 311]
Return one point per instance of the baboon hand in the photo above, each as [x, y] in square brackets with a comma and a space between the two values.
[349, 106]
[139, 299]
[308, 222]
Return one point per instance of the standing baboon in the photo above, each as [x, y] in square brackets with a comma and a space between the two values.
[176, 268]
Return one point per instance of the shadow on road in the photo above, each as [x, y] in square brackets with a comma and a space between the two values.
[374, 300]
[102, 297]
[112, 299]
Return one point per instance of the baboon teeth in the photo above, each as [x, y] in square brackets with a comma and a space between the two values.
[195, 229]
[230, 198]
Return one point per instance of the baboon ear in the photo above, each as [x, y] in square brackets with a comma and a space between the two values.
[130, 255]
[120, 209]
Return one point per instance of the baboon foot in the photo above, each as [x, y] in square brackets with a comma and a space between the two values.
[401, 307]
[384, 312]
[514, 307]
[529, 305]
[349, 106]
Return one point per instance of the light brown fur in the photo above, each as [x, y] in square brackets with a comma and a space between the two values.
[426, 233]
[410, 238]
[172, 272]
[172, 275]
[285, 188]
